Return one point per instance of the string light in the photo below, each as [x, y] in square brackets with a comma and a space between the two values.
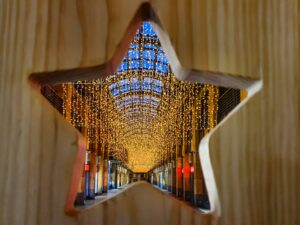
[142, 110]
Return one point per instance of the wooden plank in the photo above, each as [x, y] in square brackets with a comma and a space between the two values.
[254, 154]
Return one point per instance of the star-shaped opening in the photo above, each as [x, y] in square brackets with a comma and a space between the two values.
[146, 116]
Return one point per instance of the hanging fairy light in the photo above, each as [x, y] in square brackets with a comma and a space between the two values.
[139, 111]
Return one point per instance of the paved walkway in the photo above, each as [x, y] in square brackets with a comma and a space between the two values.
[100, 198]
[111, 193]
[180, 199]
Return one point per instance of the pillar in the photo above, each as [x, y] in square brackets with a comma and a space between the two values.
[86, 174]
[120, 176]
[97, 173]
[186, 178]
[169, 187]
[174, 174]
[197, 170]
[179, 177]
[105, 170]
[98, 181]
[198, 181]
[198, 176]
[115, 175]
[101, 168]
[92, 173]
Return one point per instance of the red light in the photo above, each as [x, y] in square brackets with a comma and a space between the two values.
[86, 167]
[178, 171]
[182, 170]
[187, 169]
[192, 169]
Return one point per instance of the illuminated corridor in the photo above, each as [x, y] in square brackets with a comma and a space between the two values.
[141, 123]
[149, 112]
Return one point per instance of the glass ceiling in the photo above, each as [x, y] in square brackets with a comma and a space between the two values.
[145, 54]
[148, 64]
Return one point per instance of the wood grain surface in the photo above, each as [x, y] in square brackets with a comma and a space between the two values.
[254, 154]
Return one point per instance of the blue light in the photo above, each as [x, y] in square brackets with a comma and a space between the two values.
[148, 29]
[135, 87]
[134, 64]
[147, 58]
[135, 80]
[157, 82]
[123, 66]
[135, 100]
[125, 88]
[134, 46]
[147, 83]
[162, 57]
[149, 65]
[149, 54]
[147, 80]
[115, 92]
[137, 59]
[133, 54]
[148, 46]
[157, 89]
[161, 67]
[123, 82]
[113, 86]
[146, 86]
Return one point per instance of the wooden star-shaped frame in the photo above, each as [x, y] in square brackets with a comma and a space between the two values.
[147, 13]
